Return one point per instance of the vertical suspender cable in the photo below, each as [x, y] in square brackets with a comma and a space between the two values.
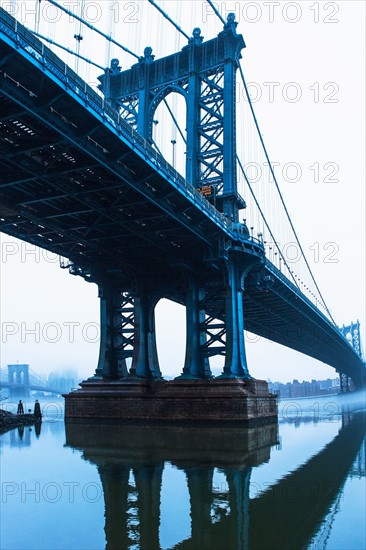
[37, 15]
[78, 36]
[164, 14]
[264, 219]
[272, 171]
[279, 192]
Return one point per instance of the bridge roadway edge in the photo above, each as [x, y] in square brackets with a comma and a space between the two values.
[77, 95]
[214, 400]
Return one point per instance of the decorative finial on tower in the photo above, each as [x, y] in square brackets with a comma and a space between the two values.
[231, 23]
[196, 39]
[148, 56]
[115, 67]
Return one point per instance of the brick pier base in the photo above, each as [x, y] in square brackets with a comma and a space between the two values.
[173, 400]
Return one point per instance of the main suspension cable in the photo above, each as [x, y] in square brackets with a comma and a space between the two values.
[93, 28]
[216, 11]
[67, 50]
[264, 219]
[273, 175]
[164, 14]
[279, 191]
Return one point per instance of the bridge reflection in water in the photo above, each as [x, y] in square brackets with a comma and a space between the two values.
[131, 459]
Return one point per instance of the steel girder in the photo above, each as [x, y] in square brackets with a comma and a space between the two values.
[51, 100]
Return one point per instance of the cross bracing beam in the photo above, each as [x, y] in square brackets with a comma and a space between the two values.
[137, 212]
[51, 198]
[112, 242]
[75, 112]
[92, 208]
[32, 148]
[70, 190]
[204, 74]
[31, 166]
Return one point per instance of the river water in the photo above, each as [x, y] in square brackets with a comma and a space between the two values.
[292, 485]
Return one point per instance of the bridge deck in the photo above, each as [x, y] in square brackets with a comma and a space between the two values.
[78, 181]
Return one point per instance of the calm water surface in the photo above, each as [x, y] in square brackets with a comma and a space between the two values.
[298, 484]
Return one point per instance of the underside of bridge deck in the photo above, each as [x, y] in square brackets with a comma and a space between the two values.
[80, 182]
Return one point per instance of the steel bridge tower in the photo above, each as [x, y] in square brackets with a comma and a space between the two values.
[130, 223]
[353, 334]
[204, 73]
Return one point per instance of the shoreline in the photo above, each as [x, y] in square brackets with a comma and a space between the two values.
[9, 420]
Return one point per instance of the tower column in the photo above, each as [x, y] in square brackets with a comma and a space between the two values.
[145, 362]
[114, 478]
[238, 483]
[116, 332]
[144, 121]
[229, 34]
[193, 113]
[200, 494]
[235, 357]
[229, 153]
[143, 116]
[196, 365]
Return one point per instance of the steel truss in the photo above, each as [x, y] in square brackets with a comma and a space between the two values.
[205, 74]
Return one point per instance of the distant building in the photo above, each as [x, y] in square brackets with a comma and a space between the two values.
[62, 381]
[305, 389]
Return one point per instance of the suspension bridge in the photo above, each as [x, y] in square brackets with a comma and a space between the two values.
[83, 175]
[20, 380]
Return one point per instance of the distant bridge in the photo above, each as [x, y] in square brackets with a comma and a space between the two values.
[21, 380]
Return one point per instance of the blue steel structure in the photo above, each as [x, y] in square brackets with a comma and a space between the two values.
[353, 333]
[204, 73]
[79, 177]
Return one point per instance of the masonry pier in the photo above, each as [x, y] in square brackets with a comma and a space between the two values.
[173, 400]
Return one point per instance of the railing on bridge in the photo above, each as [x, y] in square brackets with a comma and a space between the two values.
[92, 100]
[50, 61]
[34, 47]
[89, 98]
